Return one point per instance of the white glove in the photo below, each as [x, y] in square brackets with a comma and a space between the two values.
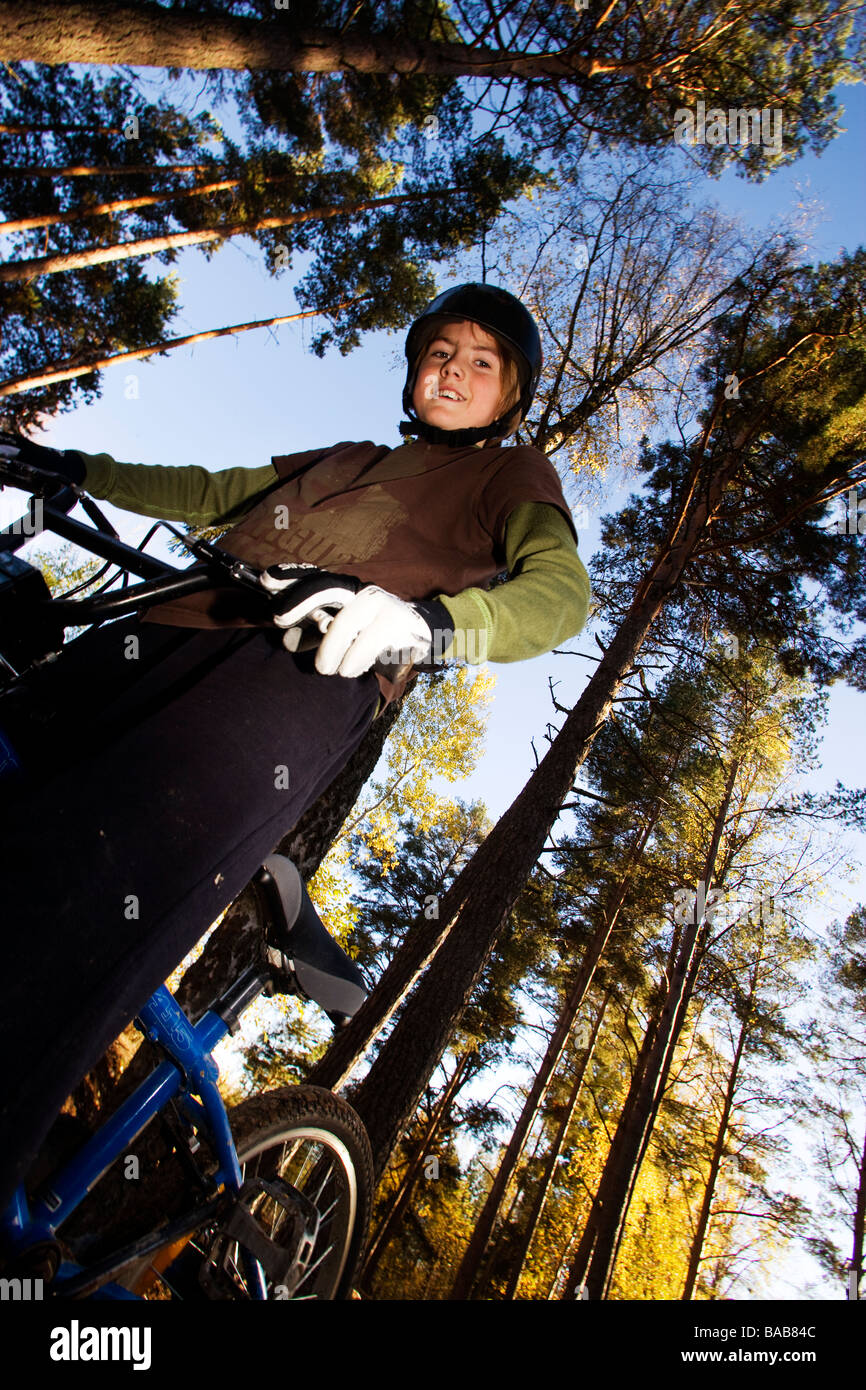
[373, 626]
[332, 593]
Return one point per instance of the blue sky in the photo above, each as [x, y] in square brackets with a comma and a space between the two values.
[236, 402]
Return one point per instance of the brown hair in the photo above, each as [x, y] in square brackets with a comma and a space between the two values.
[510, 363]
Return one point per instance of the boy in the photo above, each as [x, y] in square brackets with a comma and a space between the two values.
[168, 802]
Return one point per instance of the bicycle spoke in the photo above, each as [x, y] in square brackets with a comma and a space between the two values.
[286, 1158]
[323, 1216]
[323, 1184]
[314, 1267]
[275, 1220]
[300, 1176]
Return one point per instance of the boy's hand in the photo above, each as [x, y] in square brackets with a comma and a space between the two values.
[374, 626]
[306, 596]
[67, 463]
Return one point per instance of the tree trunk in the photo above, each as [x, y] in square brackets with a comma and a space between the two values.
[51, 219]
[718, 1150]
[143, 35]
[16, 385]
[420, 944]
[595, 1251]
[45, 127]
[586, 1244]
[538, 1204]
[859, 1224]
[86, 171]
[575, 995]
[483, 1230]
[388, 1228]
[152, 246]
[659, 1095]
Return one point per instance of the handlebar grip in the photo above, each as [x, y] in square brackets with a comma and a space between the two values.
[58, 491]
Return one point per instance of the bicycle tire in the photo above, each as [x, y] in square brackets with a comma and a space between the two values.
[264, 1127]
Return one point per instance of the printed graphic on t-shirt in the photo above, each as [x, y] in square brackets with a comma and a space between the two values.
[347, 532]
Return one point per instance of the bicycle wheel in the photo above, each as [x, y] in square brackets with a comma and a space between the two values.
[313, 1140]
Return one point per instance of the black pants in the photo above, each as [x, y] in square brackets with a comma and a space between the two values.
[177, 762]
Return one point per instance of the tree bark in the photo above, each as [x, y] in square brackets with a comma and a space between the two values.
[15, 386]
[596, 1249]
[575, 995]
[144, 35]
[483, 1230]
[80, 171]
[152, 246]
[44, 127]
[422, 941]
[586, 1244]
[718, 1151]
[657, 1099]
[859, 1222]
[388, 1228]
[537, 1209]
[52, 219]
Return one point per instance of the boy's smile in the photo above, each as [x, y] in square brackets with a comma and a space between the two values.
[459, 380]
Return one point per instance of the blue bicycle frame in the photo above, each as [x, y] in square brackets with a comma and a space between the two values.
[192, 1069]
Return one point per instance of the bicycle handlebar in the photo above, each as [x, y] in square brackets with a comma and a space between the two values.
[322, 592]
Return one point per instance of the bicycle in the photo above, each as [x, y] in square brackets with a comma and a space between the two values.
[272, 1201]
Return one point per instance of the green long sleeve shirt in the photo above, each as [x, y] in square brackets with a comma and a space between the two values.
[545, 602]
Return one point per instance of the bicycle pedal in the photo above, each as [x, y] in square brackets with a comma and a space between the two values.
[305, 958]
[284, 1264]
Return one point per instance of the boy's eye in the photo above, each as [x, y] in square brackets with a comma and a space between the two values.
[442, 352]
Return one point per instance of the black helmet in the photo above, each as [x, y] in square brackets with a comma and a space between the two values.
[499, 312]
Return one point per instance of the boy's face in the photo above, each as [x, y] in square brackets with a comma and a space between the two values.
[459, 380]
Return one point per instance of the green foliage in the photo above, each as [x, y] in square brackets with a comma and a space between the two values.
[64, 568]
[770, 567]
[609, 84]
[836, 1058]
[72, 120]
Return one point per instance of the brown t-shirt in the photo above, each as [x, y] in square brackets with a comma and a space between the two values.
[420, 520]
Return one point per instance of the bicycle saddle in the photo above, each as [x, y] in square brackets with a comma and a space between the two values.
[301, 947]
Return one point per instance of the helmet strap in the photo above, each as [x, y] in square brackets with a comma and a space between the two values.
[456, 439]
